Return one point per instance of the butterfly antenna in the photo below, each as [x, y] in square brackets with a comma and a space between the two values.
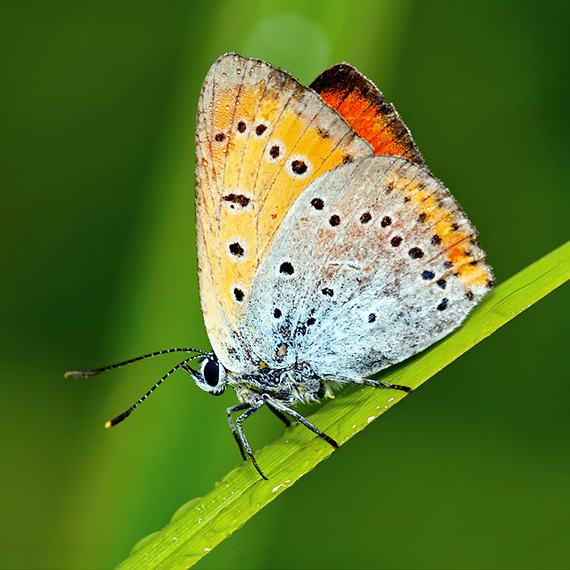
[86, 373]
[127, 413]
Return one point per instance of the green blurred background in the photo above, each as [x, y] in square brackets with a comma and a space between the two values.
[97, 103]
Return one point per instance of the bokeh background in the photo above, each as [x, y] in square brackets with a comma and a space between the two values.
[97, 103]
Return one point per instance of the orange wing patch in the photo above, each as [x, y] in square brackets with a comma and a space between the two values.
[362, 104]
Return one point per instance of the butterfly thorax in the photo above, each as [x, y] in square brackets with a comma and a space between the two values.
[293, 385]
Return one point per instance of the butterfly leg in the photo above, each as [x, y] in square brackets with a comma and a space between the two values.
[368, 382]
[229, 412]
[242, 440]
[281, 416]
[282, 408]
[378, 384]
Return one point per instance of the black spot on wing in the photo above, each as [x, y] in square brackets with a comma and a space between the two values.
[238, 199]
[236, 249]
[416, 253]
[299, 167]
[317, 203]
[286, 268]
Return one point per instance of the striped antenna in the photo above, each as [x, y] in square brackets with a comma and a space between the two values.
[86, 373]
[127, 413]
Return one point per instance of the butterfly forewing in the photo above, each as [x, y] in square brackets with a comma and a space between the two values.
[261, 139]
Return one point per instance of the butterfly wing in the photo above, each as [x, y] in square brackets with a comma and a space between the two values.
[374, 262]
[362, 105]
[261, 138]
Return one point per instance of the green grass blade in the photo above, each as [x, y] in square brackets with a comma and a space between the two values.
[201, 524]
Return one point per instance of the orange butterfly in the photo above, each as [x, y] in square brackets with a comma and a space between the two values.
[326, 249]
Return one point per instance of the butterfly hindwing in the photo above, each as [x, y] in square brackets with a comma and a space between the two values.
[373, 263]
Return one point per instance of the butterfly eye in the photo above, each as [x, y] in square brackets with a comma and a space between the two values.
[211, 376]
[211, 373]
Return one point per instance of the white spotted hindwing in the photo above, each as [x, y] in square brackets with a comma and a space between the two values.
[374, 262]
[261, 139]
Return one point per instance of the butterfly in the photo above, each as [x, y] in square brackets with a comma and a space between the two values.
[327, 251]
